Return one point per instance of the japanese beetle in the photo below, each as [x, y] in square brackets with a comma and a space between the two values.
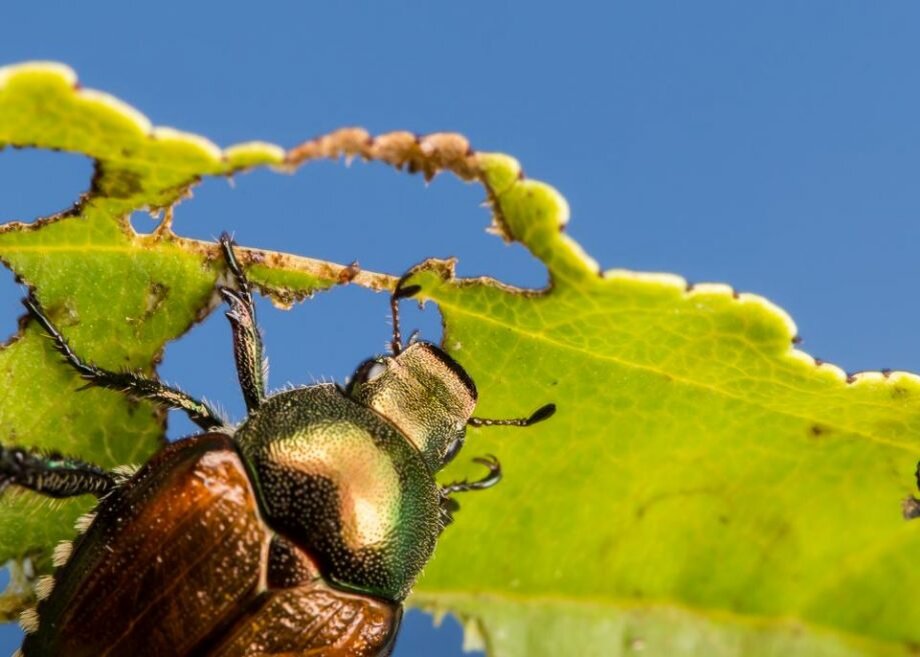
[298, 532]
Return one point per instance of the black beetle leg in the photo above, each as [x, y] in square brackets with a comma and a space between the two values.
[400, 292]
[131, 384]
[449, 505]
[51, 474]
[493, 477]
[247, 343]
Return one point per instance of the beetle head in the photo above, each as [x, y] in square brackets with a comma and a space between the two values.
[425, 393]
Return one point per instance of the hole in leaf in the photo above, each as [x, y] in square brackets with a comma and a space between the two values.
[386, 220]
[420, 636]
[201, 364]
[10, 293]
[38, 183]
[144, 221]
[10, 633]
[10, 637]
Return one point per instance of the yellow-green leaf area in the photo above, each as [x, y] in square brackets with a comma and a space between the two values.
[42, 105]
[704, 488]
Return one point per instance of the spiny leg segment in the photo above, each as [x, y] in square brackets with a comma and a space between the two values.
[129, 383]
[51, 474]
[247, 343]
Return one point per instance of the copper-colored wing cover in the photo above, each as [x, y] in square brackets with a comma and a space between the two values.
[179, 562]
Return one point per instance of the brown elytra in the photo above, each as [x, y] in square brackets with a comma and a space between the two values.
[179, 562]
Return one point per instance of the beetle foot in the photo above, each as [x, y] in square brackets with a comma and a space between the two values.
[12, 460]
[449, 506]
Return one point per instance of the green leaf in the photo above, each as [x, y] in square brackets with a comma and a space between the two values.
[704, 489]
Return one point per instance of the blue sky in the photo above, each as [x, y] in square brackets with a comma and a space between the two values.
[773, 146]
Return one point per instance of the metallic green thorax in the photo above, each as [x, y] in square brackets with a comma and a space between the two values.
[346, 485]
[350, 474]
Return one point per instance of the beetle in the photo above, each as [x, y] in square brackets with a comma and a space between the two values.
[298, 532]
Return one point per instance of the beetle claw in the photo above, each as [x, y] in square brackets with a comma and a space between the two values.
[493, 477]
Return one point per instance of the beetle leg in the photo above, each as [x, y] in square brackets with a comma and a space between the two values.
[449, 505]
[493, 477]
[52, 475]
[129, 383]
[251, 366]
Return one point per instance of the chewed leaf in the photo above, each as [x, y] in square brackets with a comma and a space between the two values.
[703, 489]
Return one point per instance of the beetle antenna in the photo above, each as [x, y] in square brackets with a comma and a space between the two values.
[542, 413]
[396, 344]
[396, 340]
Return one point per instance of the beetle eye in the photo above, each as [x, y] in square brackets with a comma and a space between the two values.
[452, 449]
[374, 371]
[367, 372]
